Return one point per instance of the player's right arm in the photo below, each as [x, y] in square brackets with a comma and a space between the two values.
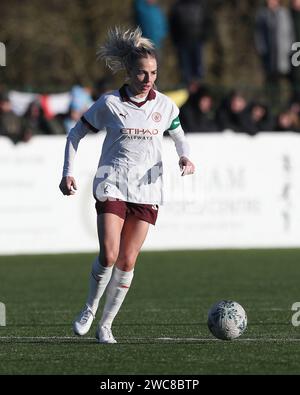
[91, 121]
[68, 183]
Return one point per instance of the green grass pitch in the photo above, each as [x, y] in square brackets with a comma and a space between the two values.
[161, 328]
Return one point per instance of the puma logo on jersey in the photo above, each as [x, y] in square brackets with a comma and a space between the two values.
[106, 189]
[123, 115]
[155, 207]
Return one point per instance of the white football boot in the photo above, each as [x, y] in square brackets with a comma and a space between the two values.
[83, 322]
[104, 335]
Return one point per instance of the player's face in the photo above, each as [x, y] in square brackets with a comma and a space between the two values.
[142, 76]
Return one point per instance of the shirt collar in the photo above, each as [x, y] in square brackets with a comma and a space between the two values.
[124, 96]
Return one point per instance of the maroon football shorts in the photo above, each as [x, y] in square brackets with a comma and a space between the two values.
[145, 212]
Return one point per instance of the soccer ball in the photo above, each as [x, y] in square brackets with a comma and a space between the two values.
[227, 320]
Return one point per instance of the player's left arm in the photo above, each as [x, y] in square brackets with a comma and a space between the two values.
[182, 147]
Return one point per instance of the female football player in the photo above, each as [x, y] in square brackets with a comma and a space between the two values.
[128, 183]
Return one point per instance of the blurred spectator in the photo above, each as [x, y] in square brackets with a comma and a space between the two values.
[261, 117]
[274, 35]
[196, 115]
[234, 114]
[103, 85]
[35, 122]
[10, 123]
[295, 70]
[152, 20]
[295, 109]
[287, 121]
[81, 98]
[190, 26]
[80, 102]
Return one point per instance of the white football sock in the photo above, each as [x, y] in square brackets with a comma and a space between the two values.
[115, 295]
[99, 279]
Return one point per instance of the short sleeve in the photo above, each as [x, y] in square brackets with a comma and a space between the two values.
[94, 117]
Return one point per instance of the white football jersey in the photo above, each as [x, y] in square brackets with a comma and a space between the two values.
[131, 167]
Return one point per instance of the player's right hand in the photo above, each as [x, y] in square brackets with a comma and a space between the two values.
[68, 185]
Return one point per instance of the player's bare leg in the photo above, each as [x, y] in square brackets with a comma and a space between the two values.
[109, 234]
[133, 236]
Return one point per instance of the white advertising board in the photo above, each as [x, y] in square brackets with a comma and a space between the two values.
[244, 194]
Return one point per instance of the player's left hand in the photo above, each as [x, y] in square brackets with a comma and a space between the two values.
[186, 166]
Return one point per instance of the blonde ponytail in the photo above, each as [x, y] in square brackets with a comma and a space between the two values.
[123, 46]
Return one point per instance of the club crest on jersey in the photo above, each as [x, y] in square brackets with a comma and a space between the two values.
[156, 116]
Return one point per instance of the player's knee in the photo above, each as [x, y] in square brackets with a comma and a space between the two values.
[108, 258]
[127, 261]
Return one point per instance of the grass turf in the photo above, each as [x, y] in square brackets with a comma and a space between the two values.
[161, 328]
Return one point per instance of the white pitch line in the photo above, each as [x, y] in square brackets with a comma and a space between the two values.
[44, 338]
[235, 340]
[175, 339]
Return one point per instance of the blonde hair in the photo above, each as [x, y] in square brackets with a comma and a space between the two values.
[123, 47]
